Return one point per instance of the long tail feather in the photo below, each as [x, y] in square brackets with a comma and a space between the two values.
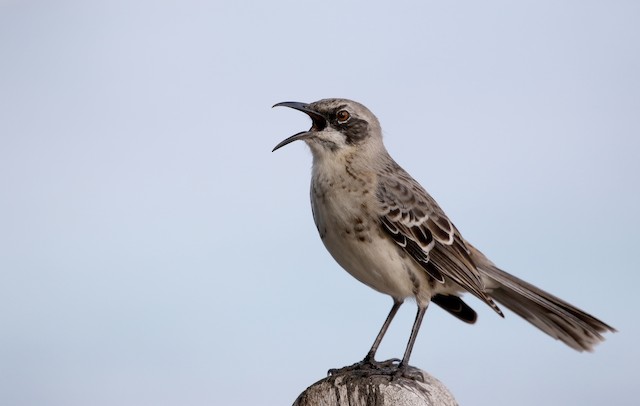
[559, 319]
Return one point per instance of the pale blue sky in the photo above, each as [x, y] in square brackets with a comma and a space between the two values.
[153, 251]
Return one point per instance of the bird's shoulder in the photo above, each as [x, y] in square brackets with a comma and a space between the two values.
[403, 201]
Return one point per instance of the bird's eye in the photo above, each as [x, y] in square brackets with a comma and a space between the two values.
[343, 116]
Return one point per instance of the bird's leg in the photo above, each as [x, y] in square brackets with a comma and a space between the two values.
[402, 367]
[369, 362]
[370, 357]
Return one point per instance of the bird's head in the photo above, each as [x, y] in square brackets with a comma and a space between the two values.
[339, 126]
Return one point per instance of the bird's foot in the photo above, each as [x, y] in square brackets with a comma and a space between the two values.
[369, 366]
[408, 372]
[393, 368]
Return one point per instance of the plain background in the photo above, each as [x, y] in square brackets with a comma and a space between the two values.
[153, 251]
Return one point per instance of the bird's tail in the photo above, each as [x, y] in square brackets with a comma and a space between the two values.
[561, 320]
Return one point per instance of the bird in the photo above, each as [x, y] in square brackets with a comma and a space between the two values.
[384, 229]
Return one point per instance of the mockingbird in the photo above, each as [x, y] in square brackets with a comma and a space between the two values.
[381, 226]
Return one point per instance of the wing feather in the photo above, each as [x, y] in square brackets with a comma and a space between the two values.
[413, 219]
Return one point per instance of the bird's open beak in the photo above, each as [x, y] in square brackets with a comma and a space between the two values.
[319, 122]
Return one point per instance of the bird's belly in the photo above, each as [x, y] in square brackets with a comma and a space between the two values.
[356, 241]
[375, 265]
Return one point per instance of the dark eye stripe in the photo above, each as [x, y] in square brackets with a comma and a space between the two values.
[355, 130]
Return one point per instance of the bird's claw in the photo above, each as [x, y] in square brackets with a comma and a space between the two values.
[369, 366]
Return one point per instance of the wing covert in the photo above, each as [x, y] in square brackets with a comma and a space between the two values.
[414, 221]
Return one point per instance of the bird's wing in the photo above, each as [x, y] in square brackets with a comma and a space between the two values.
[413, 219]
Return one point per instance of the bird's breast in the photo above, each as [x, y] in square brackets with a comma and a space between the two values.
[343, 204]
[345, 212]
